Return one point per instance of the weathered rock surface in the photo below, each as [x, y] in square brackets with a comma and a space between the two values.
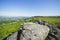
[32, 31]
[54, 33]
[42, 22]
[12, 37]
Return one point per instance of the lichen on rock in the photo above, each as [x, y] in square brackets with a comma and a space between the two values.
[32, 31]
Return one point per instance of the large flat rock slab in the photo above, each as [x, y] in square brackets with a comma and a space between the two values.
[32, 31]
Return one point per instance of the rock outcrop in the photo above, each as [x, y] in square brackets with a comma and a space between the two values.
[41, 22]
[30, 31]
[13, 36]
[54, 32]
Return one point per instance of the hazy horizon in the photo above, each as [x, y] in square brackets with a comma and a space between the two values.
[29, 8]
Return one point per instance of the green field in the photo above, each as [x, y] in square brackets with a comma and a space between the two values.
[8, 28]
[51, 20]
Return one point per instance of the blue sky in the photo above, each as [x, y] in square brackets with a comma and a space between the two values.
[29, 7]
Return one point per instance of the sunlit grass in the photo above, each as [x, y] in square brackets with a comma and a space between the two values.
[6, 29]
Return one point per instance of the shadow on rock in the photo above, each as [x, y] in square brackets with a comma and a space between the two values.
[19, 34]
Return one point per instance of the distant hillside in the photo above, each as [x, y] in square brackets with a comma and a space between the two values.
[6, 19]
[53, 20]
